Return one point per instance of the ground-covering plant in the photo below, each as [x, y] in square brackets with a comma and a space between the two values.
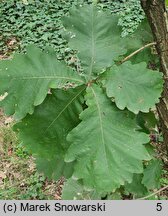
[27, 22]
[89, 126]
[38, 22]
[130, 11]
[131, 15]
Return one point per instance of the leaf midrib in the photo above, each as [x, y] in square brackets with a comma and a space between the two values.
[46, 77]
[60, 113]
[101, 126]
[92, 49]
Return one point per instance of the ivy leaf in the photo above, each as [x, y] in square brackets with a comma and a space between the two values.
[134, 86]
[27, 79]
[106, 145]
[74, 190]
[152, 174]
[96, 35]
[44, 132]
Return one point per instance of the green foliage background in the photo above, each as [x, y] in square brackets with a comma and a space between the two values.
[39, 22]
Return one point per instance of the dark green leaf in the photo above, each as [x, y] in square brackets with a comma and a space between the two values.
[134, 86]
[152, 174]
[136, 187]
[44, 132]
[96, 36]
[27, 79]
[106, 145]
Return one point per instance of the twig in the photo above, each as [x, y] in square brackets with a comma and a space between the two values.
[137, 51]
[150, 195]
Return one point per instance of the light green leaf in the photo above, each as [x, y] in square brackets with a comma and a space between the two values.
[74, 190]
[27, 79]
[96, 35]
[106, 145]
[166, 2]
[134, 86]
[44, 132]
[152, 174]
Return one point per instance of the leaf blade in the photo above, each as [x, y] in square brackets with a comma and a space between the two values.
[103, 147]
[152, 174]
[74, 190]
[98, 43]
[44, 132]
[30, 76]
[134, 86]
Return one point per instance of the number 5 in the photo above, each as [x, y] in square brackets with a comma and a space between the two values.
[159, 207]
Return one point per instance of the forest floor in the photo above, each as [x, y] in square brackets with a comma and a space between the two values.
[19, 178]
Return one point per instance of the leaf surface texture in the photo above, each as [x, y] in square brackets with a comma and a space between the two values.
[96, 36]
[106, 145]
[44, 132]
[27, 79]
[152, 174]
[134, 86]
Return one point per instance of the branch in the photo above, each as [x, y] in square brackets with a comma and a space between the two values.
[150, 195]
[137, 51]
